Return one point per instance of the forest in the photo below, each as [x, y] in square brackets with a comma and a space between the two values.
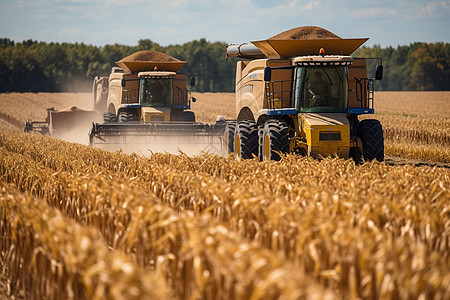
[32, 66]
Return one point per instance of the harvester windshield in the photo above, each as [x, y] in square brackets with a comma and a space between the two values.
[321, 89]
[156, 91]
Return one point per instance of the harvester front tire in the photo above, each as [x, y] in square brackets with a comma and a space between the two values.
[371, 133]
[109, 117]
[245, 140]
[125, 116]
[229, 137]
[356, 155]
[275, 140]
[189, 116]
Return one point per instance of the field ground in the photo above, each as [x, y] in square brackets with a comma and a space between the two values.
[80, 223]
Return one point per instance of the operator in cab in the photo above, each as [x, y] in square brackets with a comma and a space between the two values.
[158, 92]
[319, 91]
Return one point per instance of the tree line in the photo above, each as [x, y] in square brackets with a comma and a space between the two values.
[417, 67]
[32, 66]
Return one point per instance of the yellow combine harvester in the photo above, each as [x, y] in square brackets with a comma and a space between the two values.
[146, 106]
[303, 96]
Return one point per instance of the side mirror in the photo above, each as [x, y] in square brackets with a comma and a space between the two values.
[124, 83]
[192, 81]
[267, 74]
[379, 72]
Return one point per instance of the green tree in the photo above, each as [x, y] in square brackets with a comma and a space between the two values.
[38, 66]
[431, 67]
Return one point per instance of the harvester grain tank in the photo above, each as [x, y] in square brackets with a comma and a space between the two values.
[301, 92]
[146, 103]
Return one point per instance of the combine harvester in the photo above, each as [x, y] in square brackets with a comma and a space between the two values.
[145, 103]
[297, 92]
[70, 124]
[145, 106]
[301, 92]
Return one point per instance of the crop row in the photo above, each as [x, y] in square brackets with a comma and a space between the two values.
[362, 231]
[162, 240]
[54, 257]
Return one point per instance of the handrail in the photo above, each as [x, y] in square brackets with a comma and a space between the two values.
[274, 102]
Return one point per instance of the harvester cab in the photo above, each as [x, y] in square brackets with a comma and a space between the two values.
[157, 96]
[147, 108]
[304, 96]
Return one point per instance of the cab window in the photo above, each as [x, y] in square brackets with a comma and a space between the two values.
[157, 92]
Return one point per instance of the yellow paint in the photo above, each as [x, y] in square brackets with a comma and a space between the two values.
[314, 124]
[155, 114]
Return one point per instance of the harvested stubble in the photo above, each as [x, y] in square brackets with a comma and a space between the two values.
[373, 231]
[416, 124]
[419, 140]
[416, 135]
[422, 153]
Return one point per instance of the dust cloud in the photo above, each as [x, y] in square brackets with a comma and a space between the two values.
[74, 127]
[145, 146]
[78, 135]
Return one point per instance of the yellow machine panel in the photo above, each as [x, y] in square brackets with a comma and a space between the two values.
[326, 134]
[155, 114]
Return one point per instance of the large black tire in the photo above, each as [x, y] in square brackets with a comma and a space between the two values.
[275, 139]
[188, 116]
[371, 133]
[356, 155]
[260, 142]
[230, 129]
[125, 116]
[109, 117]
[245, 140]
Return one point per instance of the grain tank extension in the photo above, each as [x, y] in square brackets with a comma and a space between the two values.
[146, 106]
[301, 92]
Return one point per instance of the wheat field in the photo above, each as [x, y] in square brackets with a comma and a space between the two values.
[81, 223]
[416, 124]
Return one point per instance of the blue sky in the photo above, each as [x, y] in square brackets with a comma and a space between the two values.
[388, 23]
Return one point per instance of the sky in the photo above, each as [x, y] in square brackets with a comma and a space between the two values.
[169, 22]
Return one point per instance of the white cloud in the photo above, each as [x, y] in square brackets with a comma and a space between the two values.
[69, 33]
[311, 5]
[178, 21]
[374, 12]
[435, 9]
